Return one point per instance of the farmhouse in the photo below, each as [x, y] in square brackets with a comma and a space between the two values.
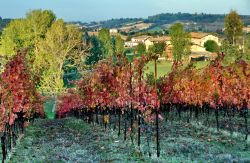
[198, 38]
[140, 39]
[136, 40]
[130, 44]
[113, 31]
[151, 41]
[247, 29]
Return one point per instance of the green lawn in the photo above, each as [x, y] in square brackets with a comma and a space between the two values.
[164, 67]
[73, 140]
[48, 106]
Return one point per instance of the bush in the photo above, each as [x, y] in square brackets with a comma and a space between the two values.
[211, 46]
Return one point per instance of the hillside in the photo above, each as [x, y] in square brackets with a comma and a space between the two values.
[192, 22]
[3, 23]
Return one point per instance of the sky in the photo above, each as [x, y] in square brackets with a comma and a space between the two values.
[95, 10]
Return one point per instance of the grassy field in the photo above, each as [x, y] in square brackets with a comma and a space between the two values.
[73, 140]
[164, 67]
[48, 106]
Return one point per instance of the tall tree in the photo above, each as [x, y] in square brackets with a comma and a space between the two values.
[233, 27]
[95, 53]
[180, 41]
[140, 49]
[119, 44]
[232, 52]
[58, 51]
[13, 38]
[247, 47]
[105, 38]
[51, 45]
[157, 48]
[26, 33]
[38, 22]
[154, 52]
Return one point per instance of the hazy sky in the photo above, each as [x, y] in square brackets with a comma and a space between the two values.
[89, 10]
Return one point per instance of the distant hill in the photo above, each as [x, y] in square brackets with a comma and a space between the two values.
[167, 18]
[202, 21]
[3, 23]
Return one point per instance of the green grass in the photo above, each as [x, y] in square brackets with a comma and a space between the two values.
[73, 140]
[48, 106]
[201, 64]
[164, 67]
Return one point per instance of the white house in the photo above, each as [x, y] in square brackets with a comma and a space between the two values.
[246, 29]
[136, 40]
[140, 39]
[113, 30]
[130, 44]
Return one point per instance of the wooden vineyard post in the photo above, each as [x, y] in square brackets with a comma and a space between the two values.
[125, 125]
[3, 147]
[157, 134]
[139, 128]
[119, 123]
[96, 115]
[217, 118]
[246, 125]
[139, 114]
[131, 119]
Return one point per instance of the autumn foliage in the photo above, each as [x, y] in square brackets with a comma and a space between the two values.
[18, 93]
[119, 85]
[215, 85]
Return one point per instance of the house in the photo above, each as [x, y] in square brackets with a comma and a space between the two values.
[246, 29]
[199, 38]
[113, 31]
[136, 40]
[196, 50]
[140, 39]
[130, 44]
[151, 41]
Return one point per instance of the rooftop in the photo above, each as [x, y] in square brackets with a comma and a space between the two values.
[198, 35]
[143, 37]
[160, 39]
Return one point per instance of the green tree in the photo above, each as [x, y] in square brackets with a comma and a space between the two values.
[246, 54]
[233, 27]
[59, 51]
[211, 46]
[158, 48]
[140, 49]
[180, 41]
[154, 52]
[52, 46]
[231, 52]
[26, 33]
[105, 39]
[13, 37]
[119, 43]
[95, 53]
